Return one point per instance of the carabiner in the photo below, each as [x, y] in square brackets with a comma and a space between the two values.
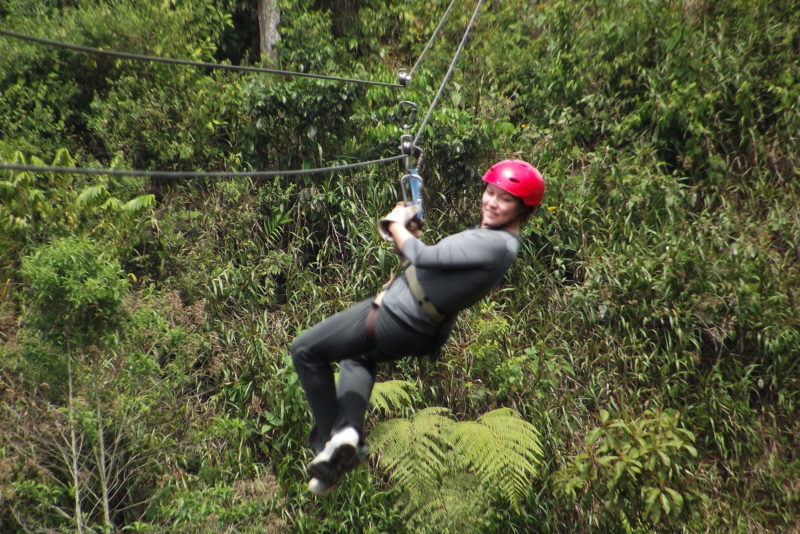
[407, 113]
[411, 186]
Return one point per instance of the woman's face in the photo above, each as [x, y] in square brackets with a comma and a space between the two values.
[499, 207]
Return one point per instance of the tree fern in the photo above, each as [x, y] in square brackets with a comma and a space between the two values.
[91, 195]
[393, 395]
[457, 504]
[502, 448]
[427, 452]
[412, 450]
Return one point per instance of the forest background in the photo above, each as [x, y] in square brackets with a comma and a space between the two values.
[641, 357]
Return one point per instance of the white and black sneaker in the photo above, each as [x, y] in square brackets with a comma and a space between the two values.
[318, 487]
[340, 455]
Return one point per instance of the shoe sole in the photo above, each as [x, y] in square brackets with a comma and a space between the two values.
[331, 471]
[319, 492]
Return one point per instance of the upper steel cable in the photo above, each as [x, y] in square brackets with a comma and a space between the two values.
[448, 74]
[190, 174]
[255, 174]
[140, 57]
[430, 41]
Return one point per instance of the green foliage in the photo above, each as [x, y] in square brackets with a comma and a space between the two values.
[662, 270]
[249, 506]
[392, 395]
[67, 84]
[428, 455]
[41, 359]
[503, 449]
[139, 419]
[489, 358]
[73, 289]
[35, 208]
[640, 473]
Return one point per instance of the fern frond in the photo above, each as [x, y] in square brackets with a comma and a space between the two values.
[139, 203]
[458, 504]
[414, 450]
[63, 159]
[514, 429]
[111, 205]
[429, 452]
[393, 395]
[92, 195]
[502, 448]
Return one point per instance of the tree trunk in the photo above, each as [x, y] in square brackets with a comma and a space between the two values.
[101, 454]
[269, 15]
[343, 14]
[74, 451]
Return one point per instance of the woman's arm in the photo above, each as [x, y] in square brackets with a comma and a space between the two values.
[400, 234]
[478, 249]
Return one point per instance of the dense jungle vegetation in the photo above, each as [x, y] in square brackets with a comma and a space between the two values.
[640, 360]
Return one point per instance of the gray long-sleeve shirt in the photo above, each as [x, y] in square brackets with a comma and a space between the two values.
[454, 274]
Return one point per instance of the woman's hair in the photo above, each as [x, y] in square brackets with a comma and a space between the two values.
[525, 211]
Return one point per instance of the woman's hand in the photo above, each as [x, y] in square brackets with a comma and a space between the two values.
[402, 215]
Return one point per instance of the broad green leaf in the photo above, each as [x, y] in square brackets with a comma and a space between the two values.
[139, 203]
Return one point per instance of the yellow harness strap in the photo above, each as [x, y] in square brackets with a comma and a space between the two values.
[423, 300]
[425, 303]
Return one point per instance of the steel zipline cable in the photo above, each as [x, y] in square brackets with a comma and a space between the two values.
[448, 74]
[232, 174]
[140, 57]
[432, 38]
[191, 174]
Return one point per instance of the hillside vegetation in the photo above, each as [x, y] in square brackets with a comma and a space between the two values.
[644, 348]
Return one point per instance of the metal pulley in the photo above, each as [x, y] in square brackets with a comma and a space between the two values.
[412, 152]
[403, 77]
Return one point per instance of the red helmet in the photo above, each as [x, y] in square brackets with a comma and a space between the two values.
[519, 178]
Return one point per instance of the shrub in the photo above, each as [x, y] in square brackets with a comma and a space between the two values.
[634, 473]
[73, 289]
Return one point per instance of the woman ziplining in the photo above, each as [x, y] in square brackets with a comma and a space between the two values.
[411, 317]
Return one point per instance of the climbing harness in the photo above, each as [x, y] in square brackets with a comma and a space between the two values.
[434, 314]
[422, 299]
[411, 188]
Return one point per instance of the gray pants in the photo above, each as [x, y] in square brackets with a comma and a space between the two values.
[342, 338]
